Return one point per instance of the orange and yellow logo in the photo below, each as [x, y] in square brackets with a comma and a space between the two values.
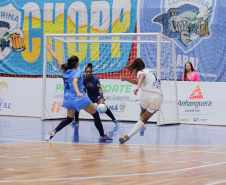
[197, 93]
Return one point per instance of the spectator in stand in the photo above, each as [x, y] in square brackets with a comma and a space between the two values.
[189, 73]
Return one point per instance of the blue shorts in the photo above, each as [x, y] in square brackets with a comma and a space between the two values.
[96, 99]
[77, 104]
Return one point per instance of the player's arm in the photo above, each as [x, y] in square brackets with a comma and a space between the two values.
[140, 81]
[49, 48]
[85, 89]
[101, 91]
[75, 85]
[129, 80]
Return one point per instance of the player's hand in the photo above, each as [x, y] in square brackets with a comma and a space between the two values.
[135, 91]
[80, 95]
[123, 78]
[48, 47]
[101, 91]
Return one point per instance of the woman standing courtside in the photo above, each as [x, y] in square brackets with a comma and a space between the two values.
[189, 73]
[75, 97]
[151, 96]
[92, 85]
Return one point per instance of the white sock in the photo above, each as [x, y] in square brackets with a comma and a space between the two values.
[139, 125]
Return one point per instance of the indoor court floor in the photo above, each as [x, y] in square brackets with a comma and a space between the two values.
[173, 154]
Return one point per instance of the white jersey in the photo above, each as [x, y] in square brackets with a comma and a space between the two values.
[151, 82]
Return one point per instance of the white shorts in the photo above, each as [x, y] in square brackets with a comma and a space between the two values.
[151, 101]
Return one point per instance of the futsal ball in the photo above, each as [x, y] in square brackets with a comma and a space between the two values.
[101, 108]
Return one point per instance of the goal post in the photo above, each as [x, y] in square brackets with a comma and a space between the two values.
[110, 53]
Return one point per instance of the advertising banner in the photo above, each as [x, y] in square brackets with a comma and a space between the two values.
[20, 96]
[24, 23]
[202, 103]
[197, 27]
[198, 102]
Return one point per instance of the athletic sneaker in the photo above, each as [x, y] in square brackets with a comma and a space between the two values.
[74, 122]
[105, 138]
[124, 139]
[50, 135]
[142, 130]
[116, 122]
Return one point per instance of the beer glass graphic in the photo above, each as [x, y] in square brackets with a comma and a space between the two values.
[3, 88]
[204, 30]
[17, 42]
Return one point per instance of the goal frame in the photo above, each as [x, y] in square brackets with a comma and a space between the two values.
[159, 41]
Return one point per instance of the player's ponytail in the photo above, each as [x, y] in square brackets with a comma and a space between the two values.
[71, 63]
[137, 65]
[89, 65]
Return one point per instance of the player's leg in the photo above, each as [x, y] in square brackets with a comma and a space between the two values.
[138, 126]
[92, 110]
[108, 112]
[64, 123]
[76, 120]
[150, 102]
[144, 127]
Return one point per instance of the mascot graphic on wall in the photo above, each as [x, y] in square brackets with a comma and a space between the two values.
[11, 34]
[187, 24]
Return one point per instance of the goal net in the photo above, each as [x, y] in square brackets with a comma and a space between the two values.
[109, 55]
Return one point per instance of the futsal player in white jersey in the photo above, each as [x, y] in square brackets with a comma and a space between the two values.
[151, 96]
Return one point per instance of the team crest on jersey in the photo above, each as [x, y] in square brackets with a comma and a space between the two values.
[186, 22]
[11, 34]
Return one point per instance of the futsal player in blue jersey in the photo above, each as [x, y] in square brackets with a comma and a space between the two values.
[75, 97]
[92, 85]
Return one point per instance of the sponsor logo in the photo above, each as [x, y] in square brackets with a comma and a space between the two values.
[195, 119]
[56, 107]
[197, 94]
[11, 34]
[183, 119]
[117, 88]
[59, 87]
[117, 108]
[3, 91]
[122, 106]
[203, 119]
[113, 107]
[3, 88]
[186, 22]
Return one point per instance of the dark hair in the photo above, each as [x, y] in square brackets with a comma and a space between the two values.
[185, 71]
[71, 63]
[137, 65]
[89, 65]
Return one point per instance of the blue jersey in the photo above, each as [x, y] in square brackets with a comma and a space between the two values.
[68, 76]
[91, 86]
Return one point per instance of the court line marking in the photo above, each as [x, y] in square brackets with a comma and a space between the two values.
[50, 158]
[181, 161]
[220, 182]
[115, 145]
[119, 145]
[9, 169]
[155, 161]
[111, 176]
